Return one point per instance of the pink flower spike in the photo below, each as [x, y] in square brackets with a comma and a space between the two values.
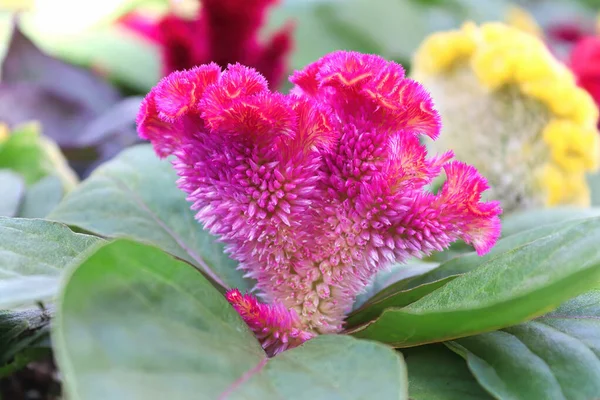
[276, 327]
[316, 191]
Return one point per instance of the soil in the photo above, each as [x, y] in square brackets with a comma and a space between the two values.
[37, 381]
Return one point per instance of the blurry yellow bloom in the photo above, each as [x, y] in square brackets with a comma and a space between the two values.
[565, 188]
[512, 110]
[448, 47]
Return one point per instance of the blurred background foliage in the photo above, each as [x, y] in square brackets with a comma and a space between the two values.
[72, 67]
[84, 32]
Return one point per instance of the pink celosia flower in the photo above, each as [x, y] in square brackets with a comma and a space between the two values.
[316, 191]
[223, 31]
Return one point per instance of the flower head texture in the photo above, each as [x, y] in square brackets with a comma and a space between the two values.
[316, 191]
[514, 112]
[222, 31]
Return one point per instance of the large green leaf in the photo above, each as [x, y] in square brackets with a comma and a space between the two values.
[435, 373]
[553, 357]
[33, 254]
[463, 264]
[513, 287]
[135, 323]
[408, 290]
[12, 188]
[135, 196]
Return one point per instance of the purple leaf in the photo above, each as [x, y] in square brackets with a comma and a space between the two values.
[85, 115]
[24, 62]
[62, 119]
[116, 120]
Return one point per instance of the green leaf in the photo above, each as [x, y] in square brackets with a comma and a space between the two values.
[42, 197]
[435, 373]
[553, 357]
[133, 322]
[24, 337]
[33, 254]
[34, 156]
[522, 221]
[336, 367]
[406, 291]
[391, 297]
[511, 288]
[135, 196]
[385, 279]
[469, 262]
[12, 188]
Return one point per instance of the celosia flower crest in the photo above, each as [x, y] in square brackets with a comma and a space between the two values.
[315, 191]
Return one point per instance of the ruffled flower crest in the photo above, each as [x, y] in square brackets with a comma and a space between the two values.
[316, 191]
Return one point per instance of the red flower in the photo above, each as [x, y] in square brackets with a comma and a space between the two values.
[585, 64]
[224, 32]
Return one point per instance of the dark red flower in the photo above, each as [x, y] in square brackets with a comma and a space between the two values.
[222, 31]
[566, 32]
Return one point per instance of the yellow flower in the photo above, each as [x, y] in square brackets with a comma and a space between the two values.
[512, 110]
